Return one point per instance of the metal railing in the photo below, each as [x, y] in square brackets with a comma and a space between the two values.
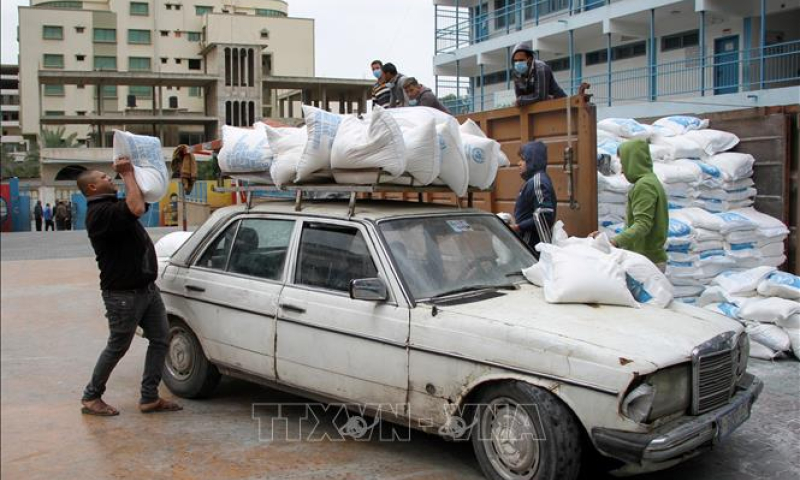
[457, 27]
[733, 72]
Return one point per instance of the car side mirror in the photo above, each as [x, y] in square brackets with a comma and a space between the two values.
[370, 289]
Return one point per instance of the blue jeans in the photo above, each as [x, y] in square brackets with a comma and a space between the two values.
[125, 310]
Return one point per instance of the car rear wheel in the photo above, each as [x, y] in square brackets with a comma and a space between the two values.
[187, 372]
[522, 432]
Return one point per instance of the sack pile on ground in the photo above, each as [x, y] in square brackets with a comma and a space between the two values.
[410, 146]
[713, 227]
[766, 301]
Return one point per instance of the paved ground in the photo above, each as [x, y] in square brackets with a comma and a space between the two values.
[52, 328]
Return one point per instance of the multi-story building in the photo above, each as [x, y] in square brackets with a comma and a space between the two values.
[11, 140]
[641, 57]
[176, 69]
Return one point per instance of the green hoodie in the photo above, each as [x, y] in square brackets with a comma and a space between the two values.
[647, 219]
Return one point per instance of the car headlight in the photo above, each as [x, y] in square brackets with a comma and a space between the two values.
[661, 393]
[743, 353]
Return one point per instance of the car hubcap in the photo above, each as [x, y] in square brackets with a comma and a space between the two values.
[510, 439]
[181, 357]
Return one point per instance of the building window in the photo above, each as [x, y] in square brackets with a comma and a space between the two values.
[177, 61]
[140, 91]
[177, 6]
[140, 8]
[558, 64]
[680, 40]
[597, 57]
[203, 9]
[79, 29]
[81, 113]
[139, 64]
[193, 36]
[52, 60]
[164, 60]
[621, 52]
[195, 64]
[80, 58]
[109, 91]
[165, 33]
[505, 13]
[139, 37]
[265, 12]
[80, 86]
[52, 32]
[227, 69]
[54, 113]
[195, 92]
[105, 35]
[105, 63]
[168, 5]
[69, 5]
[265, 34]
[54, 90]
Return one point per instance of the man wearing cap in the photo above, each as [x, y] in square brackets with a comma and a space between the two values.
[533, 79]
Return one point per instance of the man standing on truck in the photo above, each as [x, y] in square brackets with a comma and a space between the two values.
[395, 81]
[380, 92]
[422, 96]
[533, 79]
[127, 260]
[537, 197]
[647, 216]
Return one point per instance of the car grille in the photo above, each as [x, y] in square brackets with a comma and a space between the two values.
[715, 380]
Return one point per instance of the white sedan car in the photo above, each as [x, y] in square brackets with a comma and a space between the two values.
[424, 307]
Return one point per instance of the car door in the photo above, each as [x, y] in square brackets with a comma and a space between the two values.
[233, 289]
[328, 343]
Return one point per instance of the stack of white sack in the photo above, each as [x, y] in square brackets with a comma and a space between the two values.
[149, 168]
[590, 270]
[612, 195]
[766, 301]
[245, 153]
[741, 240]
[680, 180]
[695, 247]
[735, 185]
[771, 234]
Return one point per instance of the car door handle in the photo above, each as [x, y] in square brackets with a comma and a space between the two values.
[195, 288]
[292, 308]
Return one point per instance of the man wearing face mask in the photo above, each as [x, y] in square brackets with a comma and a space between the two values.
[380, 92]
[533, 79]
[395, 81]
[422, 96]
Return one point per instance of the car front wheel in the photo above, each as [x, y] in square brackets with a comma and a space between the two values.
[522, 432]
[187, 372]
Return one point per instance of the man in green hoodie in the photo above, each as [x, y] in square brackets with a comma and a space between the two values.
[647, 217]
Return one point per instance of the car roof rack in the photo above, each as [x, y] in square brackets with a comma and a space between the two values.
[352, 189]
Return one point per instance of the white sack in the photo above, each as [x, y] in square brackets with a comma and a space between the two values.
[661, 153]
[762, 352]
[481, 159]
[454, 172]
[768, 226]
[681, 124]
[789, 323]
[776, 261]
[612, 209]
[727, 309]
[698, 218]
[245, 149]
[502, 158]
[362, 144]
[794, 338]
[613, 183]
[624, 127]
[734, 166]
[742, 283]
[768, 309]
[423, 157]
[683, 291]
[322, 127]
[645, 281]
[149, 168]
[713, 141]
[771, 249]
[604, 196]
[609, 146]
[679, 171]
[167, 245]
[535, 274]
[287, 145]
[771, 336]
[780, 284]
[681, 146]
[469, 127]
[732, 222]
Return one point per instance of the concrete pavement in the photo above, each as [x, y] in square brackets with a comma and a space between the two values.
[52, 329]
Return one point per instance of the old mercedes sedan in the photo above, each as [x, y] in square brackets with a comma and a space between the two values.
[423, 307]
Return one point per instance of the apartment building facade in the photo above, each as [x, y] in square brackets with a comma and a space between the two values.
[11, 140]
[641, 57]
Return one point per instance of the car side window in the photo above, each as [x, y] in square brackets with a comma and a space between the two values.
[216, 255]
[332, 255]
[260, 248]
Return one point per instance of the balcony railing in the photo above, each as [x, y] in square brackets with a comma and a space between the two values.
[457, 27]
[727, 73]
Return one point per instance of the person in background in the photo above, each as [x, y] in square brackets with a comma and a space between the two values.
[380, 92]
[533, 79]
[422, 96]
[647, 215]
[68, 220]
[537, 195]
[48, 218]
[61, 216]
[395, 81]
[38, 213]
[127, 261]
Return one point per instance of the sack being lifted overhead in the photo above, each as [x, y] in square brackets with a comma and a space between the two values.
[149, 168]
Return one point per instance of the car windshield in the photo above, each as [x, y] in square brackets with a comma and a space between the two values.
[455, 253]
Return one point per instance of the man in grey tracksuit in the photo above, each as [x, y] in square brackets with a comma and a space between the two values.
[395, 81]
[533, 79]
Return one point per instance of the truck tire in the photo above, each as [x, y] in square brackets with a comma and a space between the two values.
[187, 371]
[521, 432]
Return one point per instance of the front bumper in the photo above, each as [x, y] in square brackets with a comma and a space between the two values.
[683, 438]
